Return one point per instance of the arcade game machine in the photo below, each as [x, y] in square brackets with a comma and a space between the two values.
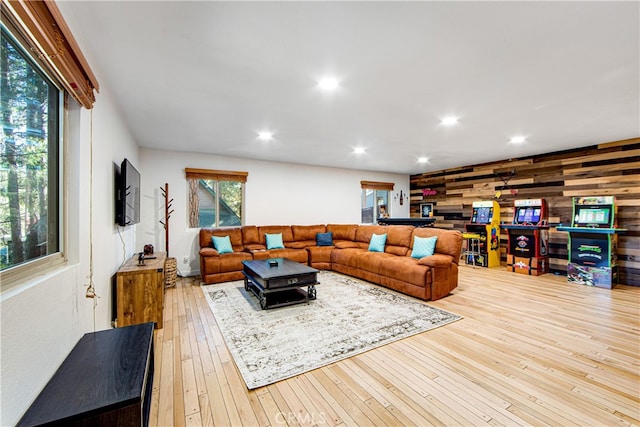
[593, 242]
[528, 248]
[483, 234]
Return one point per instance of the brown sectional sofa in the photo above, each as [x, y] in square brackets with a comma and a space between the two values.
[428, 278]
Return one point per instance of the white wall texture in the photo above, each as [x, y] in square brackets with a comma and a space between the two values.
[275, 193]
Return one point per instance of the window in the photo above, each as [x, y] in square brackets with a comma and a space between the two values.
[29, 153]
[374, 201]
[216, 198]
[41, 64]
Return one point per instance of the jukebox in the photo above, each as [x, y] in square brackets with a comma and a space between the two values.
[484, 232]
[528, 248]
[593, 242]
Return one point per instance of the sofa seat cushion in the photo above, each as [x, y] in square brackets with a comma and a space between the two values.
[396, 250]
[233, 261]
[300, 244]
[371, 261]
[226, 262]
[297, 255]
[346, 245]
[405, 269]
[347, 257]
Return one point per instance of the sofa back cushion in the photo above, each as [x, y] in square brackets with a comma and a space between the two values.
[343, 232]
[287, 234]
[399, 239]
[250, 235]
[307, 233]
[449, 241]
[234, 233]
[364, 233]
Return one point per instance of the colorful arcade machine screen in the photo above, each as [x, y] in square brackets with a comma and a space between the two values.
[597, 217]
[482, 215]
[528, 215]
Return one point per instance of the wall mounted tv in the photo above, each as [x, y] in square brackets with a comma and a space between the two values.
[127, 194]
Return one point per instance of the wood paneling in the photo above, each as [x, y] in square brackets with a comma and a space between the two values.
[606, 169]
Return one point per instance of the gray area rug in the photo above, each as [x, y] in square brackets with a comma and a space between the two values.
[349, 317]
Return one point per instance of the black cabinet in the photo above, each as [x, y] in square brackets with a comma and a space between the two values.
[105, 381]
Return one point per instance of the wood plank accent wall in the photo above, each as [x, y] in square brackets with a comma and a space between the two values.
[605, 169]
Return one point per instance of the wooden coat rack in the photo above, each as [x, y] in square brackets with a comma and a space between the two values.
[167, 214]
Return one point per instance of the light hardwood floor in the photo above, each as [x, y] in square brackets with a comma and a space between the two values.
[529, 351]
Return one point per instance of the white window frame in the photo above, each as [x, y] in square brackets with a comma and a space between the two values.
[28, 270]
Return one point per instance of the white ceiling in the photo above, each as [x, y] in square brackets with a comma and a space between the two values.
[206, 76]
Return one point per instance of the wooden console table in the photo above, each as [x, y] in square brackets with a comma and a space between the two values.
[106, 380]
[140, 291]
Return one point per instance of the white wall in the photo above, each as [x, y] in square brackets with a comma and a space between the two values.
[43, 318]
[275, 193]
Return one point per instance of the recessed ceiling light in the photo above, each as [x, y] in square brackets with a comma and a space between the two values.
[423, 159]
[359, 150]
[449, 121]
[518, 139]
[265, 135]
[328, 84]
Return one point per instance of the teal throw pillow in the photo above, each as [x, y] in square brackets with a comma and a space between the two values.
[274, 241]
[377, 242]
[324, 239]
[222, 244]
[423, 246]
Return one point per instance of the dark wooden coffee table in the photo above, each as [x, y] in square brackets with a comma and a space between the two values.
[278, 282]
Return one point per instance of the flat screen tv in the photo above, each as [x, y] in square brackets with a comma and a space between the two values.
[127, 195]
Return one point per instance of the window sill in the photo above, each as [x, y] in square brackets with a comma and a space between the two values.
[25, 276]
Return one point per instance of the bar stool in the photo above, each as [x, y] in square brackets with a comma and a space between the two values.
[472, 249]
